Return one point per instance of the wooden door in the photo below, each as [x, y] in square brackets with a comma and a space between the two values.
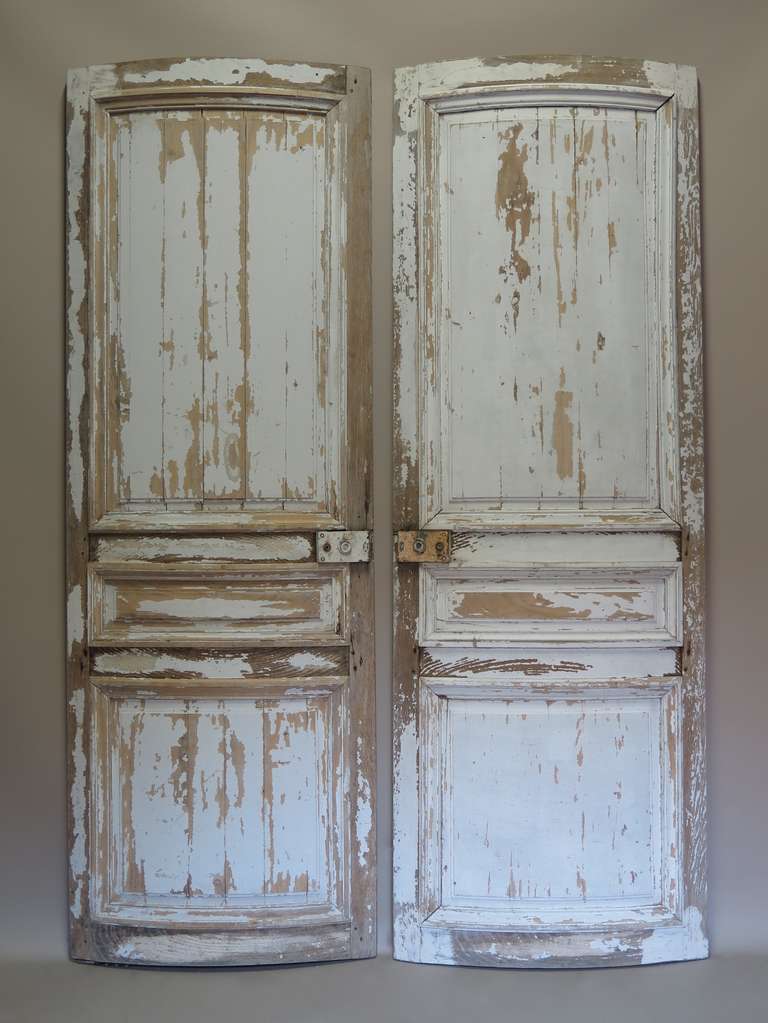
[549, 657]
[220, 662]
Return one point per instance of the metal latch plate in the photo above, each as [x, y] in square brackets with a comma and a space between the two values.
[344, 545]
[423, 545]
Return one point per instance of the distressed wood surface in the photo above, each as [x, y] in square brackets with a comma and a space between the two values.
[265, 662]
[220, 298]
[220, 679]
[529, 604]
[552, 662]
[298, 547]
[218, 804]
[587, 766]
[547, 285]
[220, 344]
[548, 396]
[207, 605]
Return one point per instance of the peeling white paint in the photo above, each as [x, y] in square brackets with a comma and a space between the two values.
[306, 659]
[667, 944]
[128, 950]
[233, 72]
[75, 620]
[209, 548]
[78, 803]
[364, 811]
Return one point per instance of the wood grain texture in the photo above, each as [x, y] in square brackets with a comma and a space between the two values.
[538, 202]
[220, 680]
[259, 662]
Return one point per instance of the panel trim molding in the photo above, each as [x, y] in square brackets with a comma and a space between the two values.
[169, 605]
[658, 508]
[437, 696]
[112, 831]
[554, 94]
[592, 604]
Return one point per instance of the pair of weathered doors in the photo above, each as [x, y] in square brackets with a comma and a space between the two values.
[549, 787]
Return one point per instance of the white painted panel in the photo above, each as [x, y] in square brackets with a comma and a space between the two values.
[516, 548]
[547, 358]
[195, 664]
[224, 365]
[275, 547]
[296, 804]
[595, 604]
[556, 662]
[241, 810]
[226, 312]
[136, 313]
[219, 805]
[141, 603]
[553, 806]
[183, 312]
[286, 298]
[151, 808]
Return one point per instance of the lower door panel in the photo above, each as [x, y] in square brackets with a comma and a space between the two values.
[225, 820]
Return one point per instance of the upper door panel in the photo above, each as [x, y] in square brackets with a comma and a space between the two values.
[218, 317]
[563, 196]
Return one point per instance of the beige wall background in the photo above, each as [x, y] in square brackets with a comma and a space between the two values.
[40, 39]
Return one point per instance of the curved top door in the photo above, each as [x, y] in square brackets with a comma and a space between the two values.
[548, 493]
[219, 591]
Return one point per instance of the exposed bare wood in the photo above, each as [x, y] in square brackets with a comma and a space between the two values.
[265, 662]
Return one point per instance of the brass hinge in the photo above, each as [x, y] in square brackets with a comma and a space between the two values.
[344, 545]
[423, 545]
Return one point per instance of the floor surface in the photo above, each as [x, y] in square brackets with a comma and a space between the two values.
[720, 990]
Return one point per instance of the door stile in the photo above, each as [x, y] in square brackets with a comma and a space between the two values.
[77, 433]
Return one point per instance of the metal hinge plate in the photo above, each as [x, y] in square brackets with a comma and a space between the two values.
[423, 545]
[344, 545]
